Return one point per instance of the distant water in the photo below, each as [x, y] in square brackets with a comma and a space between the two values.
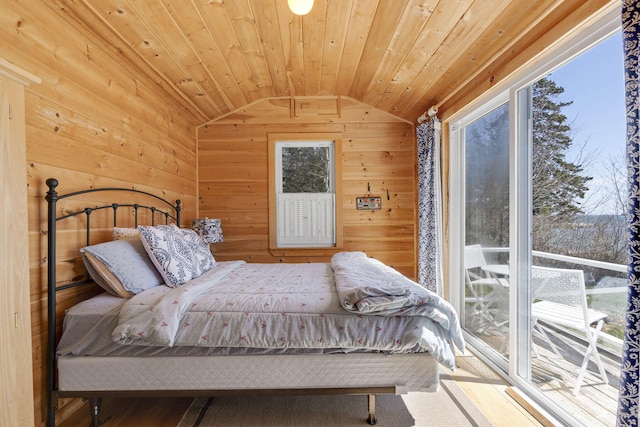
[613, 304]
[587, 227]
[611, 282]
[594, 219]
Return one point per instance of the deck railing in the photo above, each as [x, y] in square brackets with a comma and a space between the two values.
[610, 299]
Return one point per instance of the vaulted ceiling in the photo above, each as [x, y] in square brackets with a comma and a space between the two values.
[400, 56]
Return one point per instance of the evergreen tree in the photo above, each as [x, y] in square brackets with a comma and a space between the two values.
[557, 186]
[557, 183]
[305, 169]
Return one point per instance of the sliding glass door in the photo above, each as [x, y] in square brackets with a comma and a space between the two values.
[537, 235]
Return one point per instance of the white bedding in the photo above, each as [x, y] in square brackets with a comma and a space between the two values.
[88, 326]
[283, 306]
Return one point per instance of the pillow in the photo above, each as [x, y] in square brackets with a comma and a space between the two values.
[178, 254]
[121, 267]
[120, 233]
[103, 277]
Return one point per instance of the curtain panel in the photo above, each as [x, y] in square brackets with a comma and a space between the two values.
[429, 206]
[630, 369]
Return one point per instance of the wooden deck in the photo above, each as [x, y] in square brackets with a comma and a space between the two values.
[596, 403]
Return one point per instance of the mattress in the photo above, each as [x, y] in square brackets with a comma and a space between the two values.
[241, 308]
[87, 332]
[405, 372]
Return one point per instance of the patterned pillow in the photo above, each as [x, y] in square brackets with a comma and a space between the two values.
[124, 233]
[121, 267]
[178, 254]
[202, 250]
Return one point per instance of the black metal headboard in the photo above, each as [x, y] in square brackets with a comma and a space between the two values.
[167, 212]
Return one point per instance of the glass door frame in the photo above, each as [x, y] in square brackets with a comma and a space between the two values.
[515, 90]
[457, 218]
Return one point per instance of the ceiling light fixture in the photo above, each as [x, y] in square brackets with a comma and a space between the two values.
[300, 7]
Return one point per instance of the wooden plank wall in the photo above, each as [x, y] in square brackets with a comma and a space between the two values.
[95, 121]
[378, 153]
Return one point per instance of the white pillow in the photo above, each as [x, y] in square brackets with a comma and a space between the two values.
[104, 277]
[178, 254]
[121, 267]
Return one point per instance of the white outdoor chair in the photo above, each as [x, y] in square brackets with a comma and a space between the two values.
[488, 294]
[559, 298]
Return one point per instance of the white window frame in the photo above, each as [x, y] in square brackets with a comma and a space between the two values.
[311, 248]
[305, 219]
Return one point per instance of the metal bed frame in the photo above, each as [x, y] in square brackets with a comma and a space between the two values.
[171, 212]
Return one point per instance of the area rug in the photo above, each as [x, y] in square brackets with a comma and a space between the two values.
[450, 406]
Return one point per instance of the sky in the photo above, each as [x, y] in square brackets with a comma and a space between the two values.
[594, 81]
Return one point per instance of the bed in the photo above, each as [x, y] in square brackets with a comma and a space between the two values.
[179, 323]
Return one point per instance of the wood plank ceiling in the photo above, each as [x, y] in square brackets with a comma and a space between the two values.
[400, 56]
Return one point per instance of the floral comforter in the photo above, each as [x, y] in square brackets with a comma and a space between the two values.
[317, 305]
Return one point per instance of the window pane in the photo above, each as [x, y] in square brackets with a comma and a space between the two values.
[306, 170]
[579, 238]
[487, 227]
[487, 179]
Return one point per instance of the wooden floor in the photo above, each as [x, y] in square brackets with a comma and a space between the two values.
[492, 394]
[480, 383]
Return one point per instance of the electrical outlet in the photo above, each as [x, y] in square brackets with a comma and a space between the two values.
[368, 203]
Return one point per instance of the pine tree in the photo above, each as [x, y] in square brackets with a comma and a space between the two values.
[557, 183]
[305, 169]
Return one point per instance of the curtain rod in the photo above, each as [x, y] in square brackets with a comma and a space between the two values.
[429, 114]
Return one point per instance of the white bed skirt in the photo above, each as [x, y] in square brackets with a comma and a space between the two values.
[405, 372]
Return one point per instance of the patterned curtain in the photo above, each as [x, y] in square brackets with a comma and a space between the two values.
[630, 371]
[429, 206]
